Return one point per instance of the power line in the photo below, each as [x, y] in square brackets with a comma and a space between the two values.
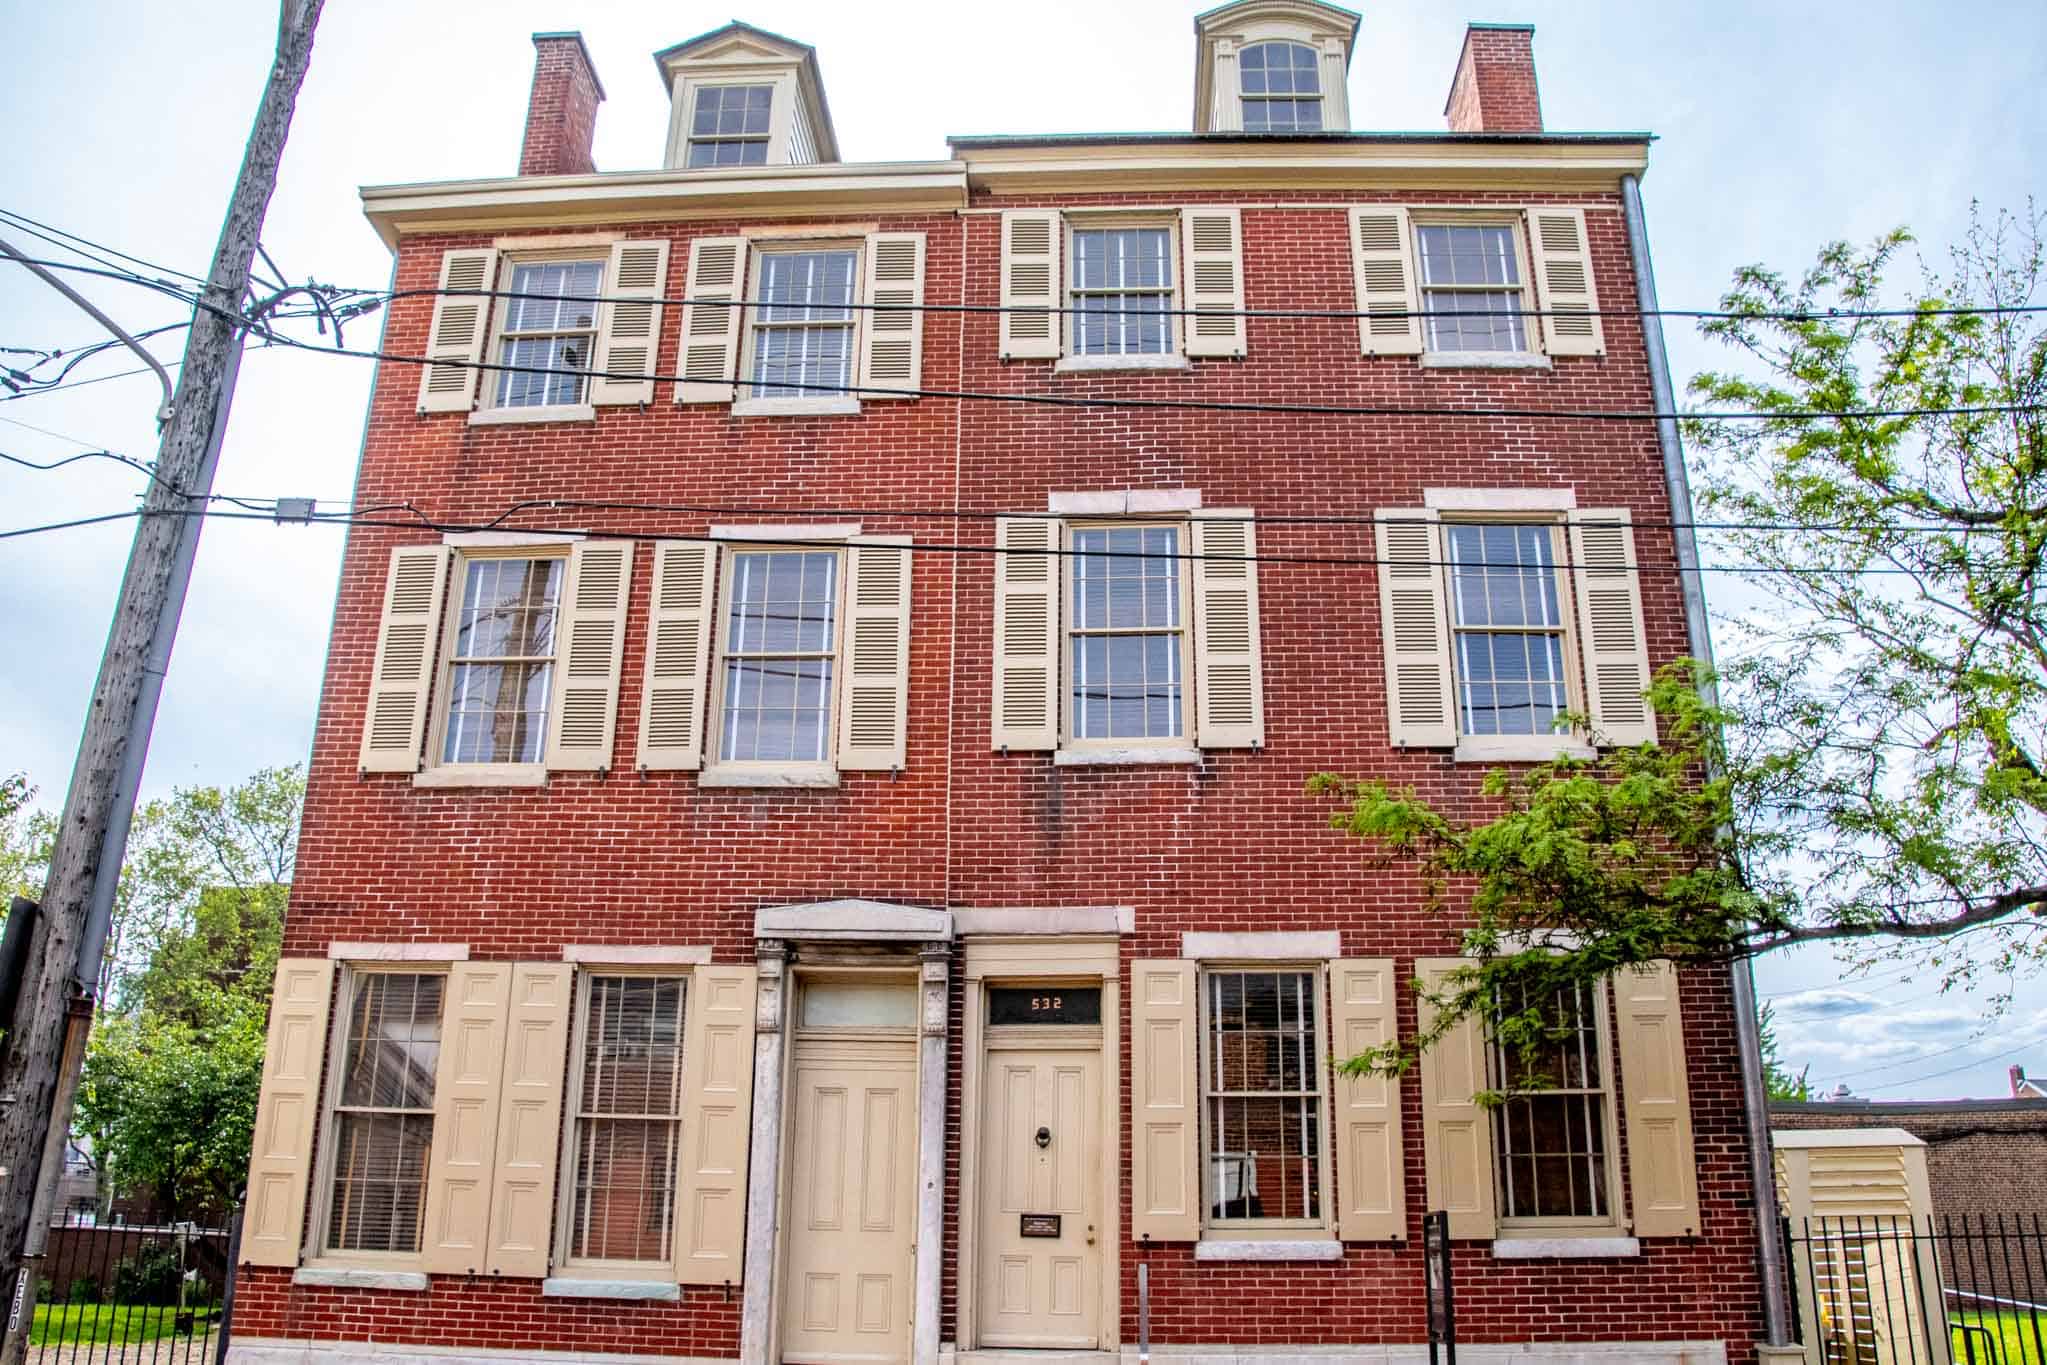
[30, 224]
[1992, 1060]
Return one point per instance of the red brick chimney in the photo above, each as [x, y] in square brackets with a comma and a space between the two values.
[1494, 91]
[561, 114]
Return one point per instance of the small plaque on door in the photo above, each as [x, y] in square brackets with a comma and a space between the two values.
[1038, 1225]
[1045, 1005]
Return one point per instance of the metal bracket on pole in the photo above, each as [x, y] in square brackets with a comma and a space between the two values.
[163, 376]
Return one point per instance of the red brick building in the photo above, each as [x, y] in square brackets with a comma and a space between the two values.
[805, 855]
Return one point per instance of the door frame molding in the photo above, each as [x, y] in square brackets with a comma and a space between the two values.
[1028, 960]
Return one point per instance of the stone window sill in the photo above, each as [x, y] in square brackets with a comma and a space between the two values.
[1485, 360]
[570, 1287]
[567, 412]
[813, 775]
[1274, 1249]
[482, 775]
[351, 1277]
[825, 406]
[1564, 1248]
[1108, 364]
[1139, 757]
[1528, 749]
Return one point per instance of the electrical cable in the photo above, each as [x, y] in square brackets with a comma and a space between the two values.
[33, 225]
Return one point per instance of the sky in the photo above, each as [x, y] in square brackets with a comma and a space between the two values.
[1780, 127]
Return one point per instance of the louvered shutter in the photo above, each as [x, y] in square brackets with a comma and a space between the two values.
[678, 655]
[1414, 629]
[287, 1111]
[630, 333]
[589, 648]
[1611, 636]
[1030, 279]
[1663, 1183]
[1026, 633]
[1457, 1132]
[1561, 260]
[529, 1118]
[1212, 240]
[462, 1161]
[1228, 681]
[874, 695]
[1382, 268]
[1370, 1177]
[459, 330]
[717, 1126]
[1165, 1175]
[709, 351]
[401, 678]
[892, 339]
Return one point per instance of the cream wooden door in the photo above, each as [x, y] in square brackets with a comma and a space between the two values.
[1039, 1265]
[851, 1212]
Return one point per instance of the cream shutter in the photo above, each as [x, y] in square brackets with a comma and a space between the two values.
[709, 352]
[678, 652]
[401, 679]
[1370, 1176]
[717, 1126]
[1610, 629]
[630, 333]
[462, 1162]
[529, 1118]
[589, 648]
[287, 1110]
[1030, 279]
[1561, 260]
[1027, 633]
[1165, 1172]
[874, 694]
[458, 331]
[1229, 688]
[1414, 628]
[892, 334]
[1663, 1180]
[1212, 244]
[1457, 1133]
[1382, 268]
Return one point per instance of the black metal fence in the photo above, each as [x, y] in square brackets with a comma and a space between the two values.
[131, 1294]
[1926, 1291]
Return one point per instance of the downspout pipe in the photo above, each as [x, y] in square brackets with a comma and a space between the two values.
[1698, 630]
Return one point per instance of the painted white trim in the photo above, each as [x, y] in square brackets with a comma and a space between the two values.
[1275, 1249]
[336, 1277]
[1564, 1248]
[1304, 946]
[880, 921]
[473, 540]
[1127, 502]
[281, 1351]
[810, 232]
[1500, 499]
[1109, 364]
[570, 1287]
[1124, 758]
[564, 412]
[830, 405]
[638, 954]
[345, 951]
[1144, 501]
[455, 776]
[814, 775]
[541, 242]
[1484, 360]
[1059, 920]
[1521, 749]
[1824, 1138]
[790, 530]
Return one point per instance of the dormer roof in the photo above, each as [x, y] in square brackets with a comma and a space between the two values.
[740, 45]
[1219, 32]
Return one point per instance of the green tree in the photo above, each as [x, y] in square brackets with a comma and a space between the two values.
[1780, 1080]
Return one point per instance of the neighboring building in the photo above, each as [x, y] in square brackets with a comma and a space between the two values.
[825, 875]
[2023, 1089]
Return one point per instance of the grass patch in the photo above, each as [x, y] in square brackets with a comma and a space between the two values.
[100, 1324]
[2011, 1331]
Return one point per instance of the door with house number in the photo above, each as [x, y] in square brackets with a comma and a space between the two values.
[1039, 1265]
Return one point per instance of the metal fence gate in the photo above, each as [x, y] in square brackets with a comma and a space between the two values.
[132, 1294]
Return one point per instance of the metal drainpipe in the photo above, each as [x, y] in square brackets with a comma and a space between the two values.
[1755, 1099]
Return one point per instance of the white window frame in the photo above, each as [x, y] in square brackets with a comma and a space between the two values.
[1245, 99]
[1614, 1219]
[1516, 747]
[442, 693]
[721, 771]
[488, 409]
[745, 400]
[1174, 357]
[594, 1268]
[1183, 569]
[1271, 1229]
[319, 1255]
[1531, 330]
[781, 113]
[689, 119]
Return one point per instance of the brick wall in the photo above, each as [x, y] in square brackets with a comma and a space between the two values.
[1494, 90]
[561, 111]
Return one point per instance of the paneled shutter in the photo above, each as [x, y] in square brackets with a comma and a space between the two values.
[462, 1163]
[1382, 267]
[459, 330]
[1165, 1172]
[1370, 1176]
[1027, 581]
[1561, 260]
[678, 655]
[1611, 638]
[1415, 629]
[589, 648]
[892, 339]
[1212, 241]
[710, 319]
[1228, 681]
[874, 695]
[1030, 279]
[529, 1118]
[1457, 1132]
[1663, 1180]
[630, 334]
[287, 1111]
[394, 723]
[717, 1126]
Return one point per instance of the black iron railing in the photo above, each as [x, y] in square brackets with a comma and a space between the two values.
[122, 1293]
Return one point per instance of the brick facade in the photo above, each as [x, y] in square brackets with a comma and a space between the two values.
[561, 112]
[1494, 90]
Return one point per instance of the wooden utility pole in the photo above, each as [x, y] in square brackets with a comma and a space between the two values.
[39, 1076]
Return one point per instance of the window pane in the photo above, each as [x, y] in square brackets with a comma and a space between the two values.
[1122, 262]
[548, 297]
[1475, 255]
[1551, 1130]
[379, 1181]
[394, 1041]
[390, 1051]
[625, 1189]
[1505, 577]
[497, 711]
[793, 355]
[554, 296]
[1262, 1090]
[628, 1119]
[859, 1004]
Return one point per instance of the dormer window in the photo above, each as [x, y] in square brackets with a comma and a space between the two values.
[730, 125]
[1282, 88]
[741, 96]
